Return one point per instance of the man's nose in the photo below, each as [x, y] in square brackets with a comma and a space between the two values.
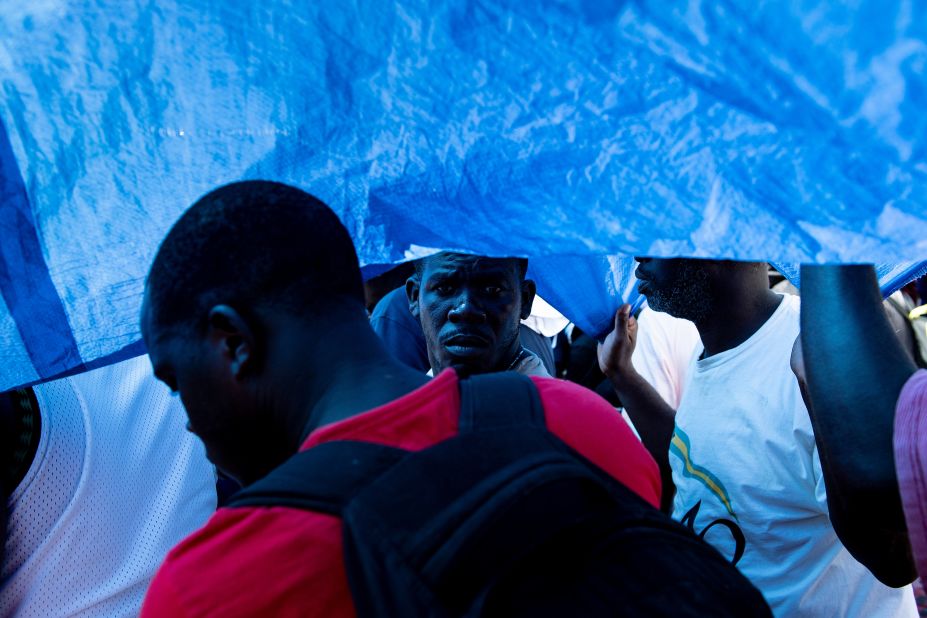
[467, 309]
[641, 259]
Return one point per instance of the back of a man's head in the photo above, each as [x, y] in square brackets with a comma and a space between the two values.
[253, 243]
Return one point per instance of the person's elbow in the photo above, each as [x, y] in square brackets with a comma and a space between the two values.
[889, 561]
[876, 536]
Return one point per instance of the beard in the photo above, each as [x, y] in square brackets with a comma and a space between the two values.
[687, 295]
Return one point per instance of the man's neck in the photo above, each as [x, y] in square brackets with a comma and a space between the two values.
[343, 370]
[507, 363]
[734, 318]
[517, 356]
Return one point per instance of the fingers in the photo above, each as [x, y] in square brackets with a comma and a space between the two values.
[614, 354]
[601, 355]
[621, 318]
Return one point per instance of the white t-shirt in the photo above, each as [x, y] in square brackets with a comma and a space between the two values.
[116, 482]
[748, 479]
[664, 352]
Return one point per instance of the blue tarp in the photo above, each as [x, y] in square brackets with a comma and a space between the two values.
[566, 131]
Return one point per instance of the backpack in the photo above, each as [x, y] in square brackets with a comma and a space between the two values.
[503, 519]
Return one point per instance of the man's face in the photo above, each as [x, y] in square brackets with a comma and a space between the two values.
[470, 308]
[680, 287]
[189, 366]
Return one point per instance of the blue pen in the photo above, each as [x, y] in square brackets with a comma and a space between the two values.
[638, 303]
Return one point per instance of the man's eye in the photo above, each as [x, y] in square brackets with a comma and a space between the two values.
[495, 290]
[444, 289]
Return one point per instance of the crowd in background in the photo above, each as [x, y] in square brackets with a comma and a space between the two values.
[783, 435]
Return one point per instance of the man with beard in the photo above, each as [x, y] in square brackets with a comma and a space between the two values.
[740, 447]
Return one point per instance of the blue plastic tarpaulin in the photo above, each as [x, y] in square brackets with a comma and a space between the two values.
[574, 132]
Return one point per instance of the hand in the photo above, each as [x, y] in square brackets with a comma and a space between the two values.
[615, 354]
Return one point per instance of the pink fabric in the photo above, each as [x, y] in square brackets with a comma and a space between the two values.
[911, 462]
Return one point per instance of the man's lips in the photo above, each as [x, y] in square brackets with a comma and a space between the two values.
[643, 282]
[467, 340]
[466, 345]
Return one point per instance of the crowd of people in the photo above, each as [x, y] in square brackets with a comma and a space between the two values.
[416, 449]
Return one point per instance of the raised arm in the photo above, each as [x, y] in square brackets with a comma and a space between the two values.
[653, 418]
[854, 369]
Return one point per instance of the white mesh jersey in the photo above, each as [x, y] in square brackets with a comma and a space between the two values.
[116, 482]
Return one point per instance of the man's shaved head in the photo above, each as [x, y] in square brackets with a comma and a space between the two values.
[250, 243]
[242, 280]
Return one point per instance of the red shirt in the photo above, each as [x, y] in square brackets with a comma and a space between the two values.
[283, 561]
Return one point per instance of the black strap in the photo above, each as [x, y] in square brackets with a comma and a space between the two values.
[323, 478]
[496, 400]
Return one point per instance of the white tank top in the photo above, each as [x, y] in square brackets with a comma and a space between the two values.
[116, 482]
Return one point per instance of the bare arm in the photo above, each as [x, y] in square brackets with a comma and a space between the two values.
[651, 415]
[855, 369]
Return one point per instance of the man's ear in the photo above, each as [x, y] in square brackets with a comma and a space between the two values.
[228, 331]
[413, 287]
[528, 291]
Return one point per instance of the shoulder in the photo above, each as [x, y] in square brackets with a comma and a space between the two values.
[596, 430]
[392, 316]
[791, 306]
[204, 574]
[786, 321]
[394, 305]
[557, 393]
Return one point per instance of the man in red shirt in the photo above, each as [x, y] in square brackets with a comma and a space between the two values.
[254, 312]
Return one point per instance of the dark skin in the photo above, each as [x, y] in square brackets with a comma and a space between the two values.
[6, 448]
[727, 301]
[258, 379]
[852, 368]
[470, 308]
[13, 468]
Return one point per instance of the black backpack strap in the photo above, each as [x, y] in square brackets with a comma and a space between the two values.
[323, 478]
[501, 399]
